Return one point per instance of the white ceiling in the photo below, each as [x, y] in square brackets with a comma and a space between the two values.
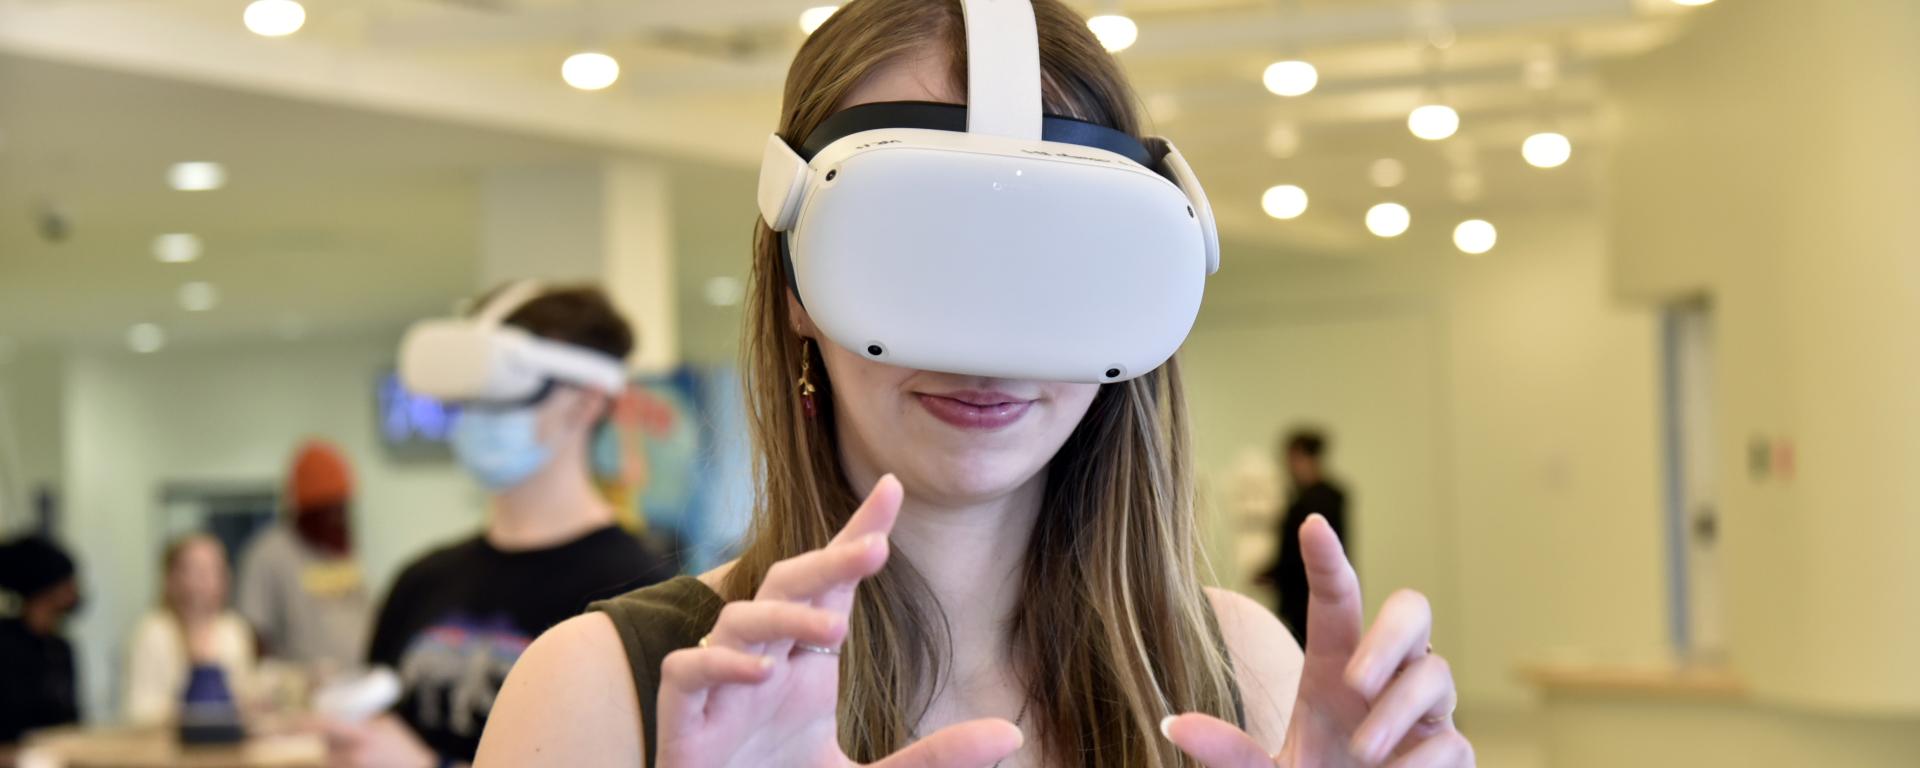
[355, 147]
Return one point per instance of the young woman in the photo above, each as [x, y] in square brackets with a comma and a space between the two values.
[1022, 586]
[192, 627]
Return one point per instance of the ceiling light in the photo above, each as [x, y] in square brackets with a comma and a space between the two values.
[590, 71]
[1466, 186]
[1283, 140]
[1388, 219]
[1475, 236]
[198, 296]
[1433, 122]
[196, 177]
[1284, 202]
[1692, 3]
[725, 291]
[1290, 78]
[1546, 150]
[1387, 173]
[274, 18]
[176, 247]
[812, 18]
[1116, 33]
[146, 338]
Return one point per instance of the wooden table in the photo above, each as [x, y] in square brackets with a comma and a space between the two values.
[160, 748]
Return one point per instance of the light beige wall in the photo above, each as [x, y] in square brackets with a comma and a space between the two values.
[1497, 420]
[30, 394]
[1768, 160]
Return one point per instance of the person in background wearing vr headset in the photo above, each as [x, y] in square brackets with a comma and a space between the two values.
[1022, 584]
[457, 618]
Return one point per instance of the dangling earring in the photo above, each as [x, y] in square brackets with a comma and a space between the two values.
[805, 386]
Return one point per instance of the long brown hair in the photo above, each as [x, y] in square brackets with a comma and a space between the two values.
[1113, 631]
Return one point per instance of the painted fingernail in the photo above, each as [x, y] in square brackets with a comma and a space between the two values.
[873, 540]
[1166, 727]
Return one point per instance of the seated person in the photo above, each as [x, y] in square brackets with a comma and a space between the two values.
[192, 627]
[36, 662]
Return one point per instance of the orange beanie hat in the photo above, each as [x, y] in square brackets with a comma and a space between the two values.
[320, 476]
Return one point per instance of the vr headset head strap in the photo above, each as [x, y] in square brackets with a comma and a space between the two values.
[509, 300]
[1003, 68]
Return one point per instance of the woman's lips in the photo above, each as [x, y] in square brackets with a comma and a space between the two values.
[976, 410]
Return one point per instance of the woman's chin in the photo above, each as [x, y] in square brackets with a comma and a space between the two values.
[970, 479]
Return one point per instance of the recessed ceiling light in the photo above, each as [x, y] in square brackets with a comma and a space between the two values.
[590, 71]
[274, 18]
[196, 177]
[1387, 173]
[1388, 219]
[1116, 33]
[1433, 122]
[146, 338]
[812, 18]
[1284, 202]
[1475, 236]
[176, 247]
[1290, 78]
[1546, 150]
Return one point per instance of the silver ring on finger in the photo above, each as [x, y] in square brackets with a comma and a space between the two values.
[820, 649]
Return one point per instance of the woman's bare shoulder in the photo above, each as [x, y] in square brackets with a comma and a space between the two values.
[1266, 662]
[569, 700]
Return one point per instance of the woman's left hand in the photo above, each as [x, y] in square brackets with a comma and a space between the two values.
[1375, 698]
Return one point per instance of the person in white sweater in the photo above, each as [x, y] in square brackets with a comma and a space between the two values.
[192, 626]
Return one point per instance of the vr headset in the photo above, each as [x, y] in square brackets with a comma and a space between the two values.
[990, 239]
[480, 360]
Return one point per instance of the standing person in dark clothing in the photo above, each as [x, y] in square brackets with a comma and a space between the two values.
[1310, 492]
[38, 687]
[459, 617]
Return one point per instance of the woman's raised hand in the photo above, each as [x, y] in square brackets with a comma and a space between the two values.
[1368, 697]
[761, 689]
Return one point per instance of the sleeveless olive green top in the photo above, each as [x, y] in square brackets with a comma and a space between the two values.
[675, 614]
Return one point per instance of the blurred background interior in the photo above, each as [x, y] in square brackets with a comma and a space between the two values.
[1607, 308]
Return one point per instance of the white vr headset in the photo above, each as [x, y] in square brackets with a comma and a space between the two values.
[480, 360]
[990, 239]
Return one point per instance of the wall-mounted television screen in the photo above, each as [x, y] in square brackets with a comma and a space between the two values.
[412, 425]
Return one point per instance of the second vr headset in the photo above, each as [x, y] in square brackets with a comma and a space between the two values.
[990, 239]
[480, 360]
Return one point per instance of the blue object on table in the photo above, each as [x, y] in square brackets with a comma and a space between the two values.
[207, 713]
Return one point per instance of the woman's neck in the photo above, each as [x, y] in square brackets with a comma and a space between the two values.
[973, 559]
[553, 507]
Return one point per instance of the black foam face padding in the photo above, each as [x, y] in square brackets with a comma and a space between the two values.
[953, 117]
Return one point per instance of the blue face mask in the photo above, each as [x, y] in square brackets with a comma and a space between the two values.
[500, 448]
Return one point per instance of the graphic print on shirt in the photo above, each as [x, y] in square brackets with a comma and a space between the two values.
[453, 671]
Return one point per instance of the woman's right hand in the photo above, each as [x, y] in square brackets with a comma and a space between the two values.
[752, 696]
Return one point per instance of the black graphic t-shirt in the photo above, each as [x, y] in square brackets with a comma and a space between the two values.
[458, 618]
